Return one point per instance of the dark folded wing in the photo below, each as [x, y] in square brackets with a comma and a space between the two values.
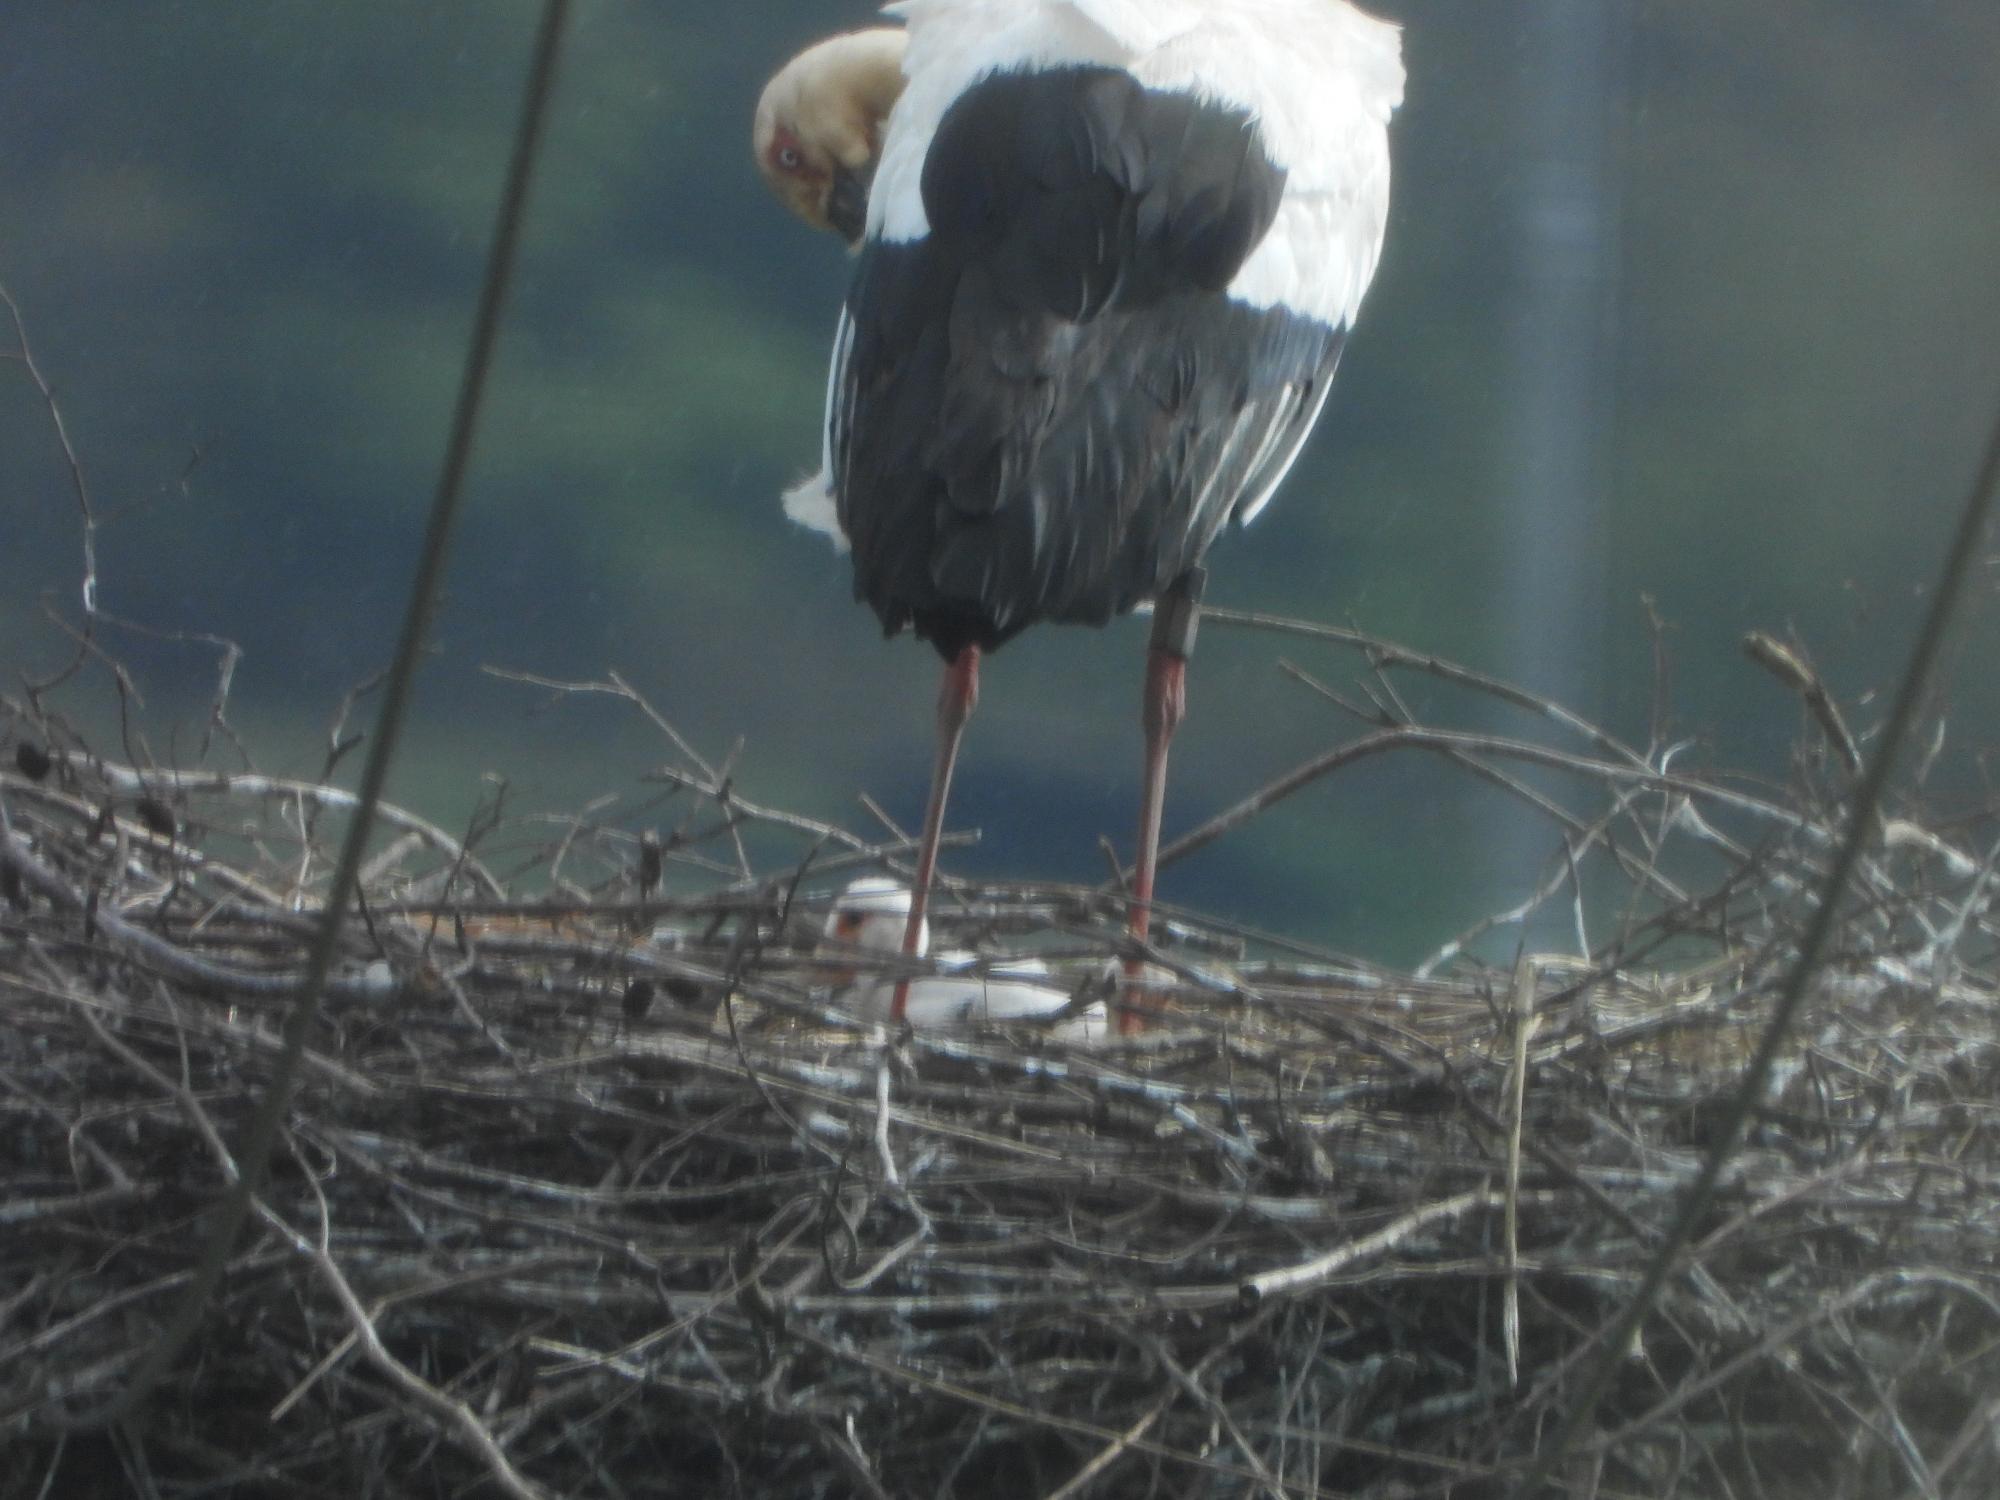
[1047, 406]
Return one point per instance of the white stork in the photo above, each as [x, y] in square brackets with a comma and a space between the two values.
[871, 917]
[1111, 253]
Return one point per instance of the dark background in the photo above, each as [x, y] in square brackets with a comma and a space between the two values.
[1696, 301]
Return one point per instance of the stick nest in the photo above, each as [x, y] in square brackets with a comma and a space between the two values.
[606, 1197]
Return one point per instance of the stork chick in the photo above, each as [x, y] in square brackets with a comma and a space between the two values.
[870, 917]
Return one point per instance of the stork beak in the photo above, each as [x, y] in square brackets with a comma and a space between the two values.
[847, 202]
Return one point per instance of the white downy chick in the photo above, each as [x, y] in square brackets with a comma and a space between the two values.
[869, 918]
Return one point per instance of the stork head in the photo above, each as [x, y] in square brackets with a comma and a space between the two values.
[819, 127]
[868, 918]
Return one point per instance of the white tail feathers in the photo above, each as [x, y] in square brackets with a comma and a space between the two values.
[811, 504]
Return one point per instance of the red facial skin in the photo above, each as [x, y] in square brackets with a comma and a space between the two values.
[787, 157]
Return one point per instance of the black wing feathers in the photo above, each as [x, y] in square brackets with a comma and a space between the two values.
[1049, 408]
[1081, 187]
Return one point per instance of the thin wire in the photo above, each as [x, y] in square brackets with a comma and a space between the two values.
[253, 1160]
[1910, 696]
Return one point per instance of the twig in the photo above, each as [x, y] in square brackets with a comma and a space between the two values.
[1383, 653]
[1974, 522]
[263, 1131]
[227, 784]
[454, 1418]
[1460, 742]
[1521, 1014]
[1791, 668]
[24, 355]
[1311, 1274]
[160, 954]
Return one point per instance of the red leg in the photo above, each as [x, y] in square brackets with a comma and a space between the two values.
[958, 695]
[1165, 705]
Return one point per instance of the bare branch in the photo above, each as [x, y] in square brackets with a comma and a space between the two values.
[1790, 667]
